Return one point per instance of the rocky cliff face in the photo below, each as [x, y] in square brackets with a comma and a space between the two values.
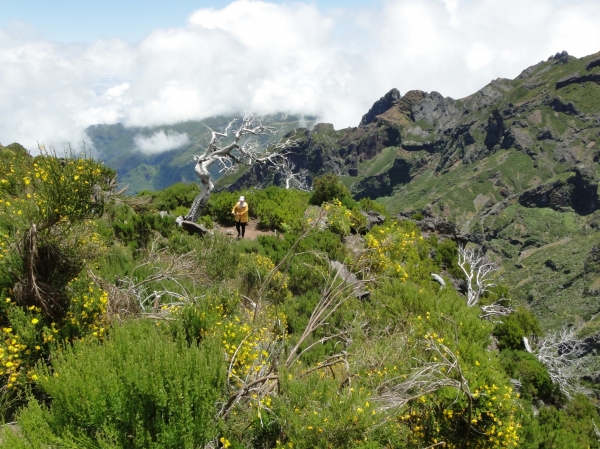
[515, 165]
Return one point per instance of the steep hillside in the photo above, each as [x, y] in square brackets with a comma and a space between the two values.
[515, 165]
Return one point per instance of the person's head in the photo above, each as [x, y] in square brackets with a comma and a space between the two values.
[242, 199]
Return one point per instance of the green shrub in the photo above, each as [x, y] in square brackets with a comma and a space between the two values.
[219, 255]
[572, 427]
[350, 203]
[417, 216]
[281, 209]
[447, 258]
[144, 388]
[534, 378]
[206, 221]
[220, 204]
[512, 329]
[327, 188]
[137, 230]
[368, 205]
[177, 195]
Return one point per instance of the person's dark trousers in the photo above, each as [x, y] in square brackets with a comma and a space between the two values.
[240, 228]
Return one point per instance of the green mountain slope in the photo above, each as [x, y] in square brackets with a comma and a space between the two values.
[515, 165]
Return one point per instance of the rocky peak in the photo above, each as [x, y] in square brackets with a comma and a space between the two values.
[561, 58]
[380, 106]
[436, 110]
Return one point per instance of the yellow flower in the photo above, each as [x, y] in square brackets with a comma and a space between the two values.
[35, 321]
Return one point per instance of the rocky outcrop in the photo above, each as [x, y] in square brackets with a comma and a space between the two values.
[498, 134]
[592, 64]
[383, 184]
[561, 58]
[439, 226]
[579, 192]
[577, 78]
[556, 195]
[441, 112]
[380, 106]
[359, 289]
[585, 199]
[373, 219]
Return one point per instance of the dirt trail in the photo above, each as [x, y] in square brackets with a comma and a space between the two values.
[252, 231]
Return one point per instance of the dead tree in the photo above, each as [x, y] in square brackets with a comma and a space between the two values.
[293, 179]
[245, 148]
[562, 354]
[478, 269]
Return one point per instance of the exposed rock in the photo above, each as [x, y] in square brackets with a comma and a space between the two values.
[194, 228]
[373, 219]
[383, 184]
[436, 110]
[576, 78]
[516, 384]
[559, 105]
[591, 345]
[380, 106]
[561, 58]
[497, 132]
[360, 290]
[460, 285]
[568, 79]
[556, 195]
[439, 226]
[520, 139]
[585, 197]
[355, 244]
[486, 97]
[592, 261]
[579, 192]
[592, 64]
[322, 128]
[520, 124]
[546, 134]
[532, 85]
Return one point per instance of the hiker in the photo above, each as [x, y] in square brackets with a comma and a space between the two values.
[240, 211]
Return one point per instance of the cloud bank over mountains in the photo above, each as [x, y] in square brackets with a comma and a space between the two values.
[289, 57]
[161, 141]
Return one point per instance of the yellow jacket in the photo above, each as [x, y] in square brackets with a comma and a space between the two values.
[241, 213]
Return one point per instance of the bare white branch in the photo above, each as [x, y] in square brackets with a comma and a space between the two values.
[562, 354]
[498, 309]
[230, 148]
[478, 269]
[293, 178]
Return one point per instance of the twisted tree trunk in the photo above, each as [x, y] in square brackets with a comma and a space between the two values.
[202, 198]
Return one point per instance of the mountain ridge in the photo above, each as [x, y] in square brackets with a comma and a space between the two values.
[515, 165]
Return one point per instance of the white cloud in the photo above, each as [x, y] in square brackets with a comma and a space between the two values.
[161, 141]
[288, 57]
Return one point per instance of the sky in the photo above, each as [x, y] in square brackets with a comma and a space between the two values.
[66, 65]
